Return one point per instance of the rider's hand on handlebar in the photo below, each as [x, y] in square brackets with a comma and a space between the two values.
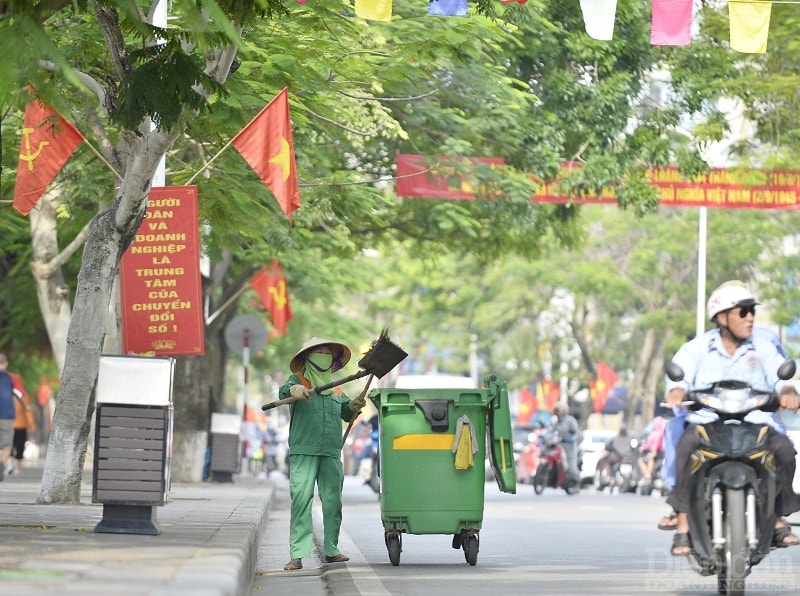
[676, 396]
[789, 399]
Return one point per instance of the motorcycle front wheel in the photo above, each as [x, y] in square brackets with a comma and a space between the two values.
[735, 559]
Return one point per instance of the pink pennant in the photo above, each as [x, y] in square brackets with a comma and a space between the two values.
[671, 23]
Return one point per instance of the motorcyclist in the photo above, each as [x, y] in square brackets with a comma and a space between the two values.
[652, 449]
[731, 351]
[617, 449]
[569, 432]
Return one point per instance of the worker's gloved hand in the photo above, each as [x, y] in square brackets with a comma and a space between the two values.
[357, 404]
[300, 392]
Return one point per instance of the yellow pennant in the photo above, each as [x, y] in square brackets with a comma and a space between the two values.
[749, 22]
[374, 10]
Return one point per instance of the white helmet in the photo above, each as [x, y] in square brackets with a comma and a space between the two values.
[729, 295]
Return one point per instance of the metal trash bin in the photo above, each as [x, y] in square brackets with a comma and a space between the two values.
[225, 446]
[133, 442]
[426, 487]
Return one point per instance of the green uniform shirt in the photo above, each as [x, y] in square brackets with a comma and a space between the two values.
[315, 427]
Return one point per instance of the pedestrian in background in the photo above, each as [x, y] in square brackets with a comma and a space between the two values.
[24, 425]
[315, 445]
[7, 414]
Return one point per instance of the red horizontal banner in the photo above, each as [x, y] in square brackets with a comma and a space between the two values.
[162, 312]
[720, 188]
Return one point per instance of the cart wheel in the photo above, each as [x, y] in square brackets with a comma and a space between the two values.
[471, 548]
[394, 547]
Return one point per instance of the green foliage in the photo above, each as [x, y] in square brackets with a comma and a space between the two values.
[162, 87]
[528, 86]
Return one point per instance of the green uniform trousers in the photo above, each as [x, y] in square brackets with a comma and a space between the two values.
[327, 473]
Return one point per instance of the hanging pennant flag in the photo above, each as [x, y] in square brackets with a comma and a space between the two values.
[266, 144]
[447, 8]
[749, 23]
[598, 16]
[270, 285]
[45, 148]
[671, 23]
[374, 10]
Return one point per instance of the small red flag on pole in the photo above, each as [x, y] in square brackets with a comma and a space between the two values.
[266, 144]
[270, 285]
[44, 150]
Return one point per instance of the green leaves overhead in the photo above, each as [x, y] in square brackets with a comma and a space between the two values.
[163, 86]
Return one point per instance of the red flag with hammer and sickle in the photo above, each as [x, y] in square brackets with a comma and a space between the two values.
[270, 285]
[45, 148]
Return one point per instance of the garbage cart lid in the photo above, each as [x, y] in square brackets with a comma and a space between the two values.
[501, 442]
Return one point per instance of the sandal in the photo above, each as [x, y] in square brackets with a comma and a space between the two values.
[668, 522]
[780, 536]
[681, 544]
[293, 565]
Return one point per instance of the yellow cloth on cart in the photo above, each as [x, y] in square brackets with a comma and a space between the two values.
[465, 444]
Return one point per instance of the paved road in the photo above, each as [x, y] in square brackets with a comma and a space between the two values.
[591, 543]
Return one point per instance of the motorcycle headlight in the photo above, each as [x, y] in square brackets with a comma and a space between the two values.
[731, 401]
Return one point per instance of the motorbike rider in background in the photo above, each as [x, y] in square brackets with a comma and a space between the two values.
[732, 352]
[652, 449]
[569, 432]
[617, 449]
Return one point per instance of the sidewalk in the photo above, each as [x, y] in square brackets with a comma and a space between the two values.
[208, 546]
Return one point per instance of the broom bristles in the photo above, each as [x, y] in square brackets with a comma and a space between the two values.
[371, 357]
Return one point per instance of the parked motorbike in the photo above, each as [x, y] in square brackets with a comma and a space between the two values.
[552, 471]
[733, 481]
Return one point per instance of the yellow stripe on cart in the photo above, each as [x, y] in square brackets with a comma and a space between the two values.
[426, 442]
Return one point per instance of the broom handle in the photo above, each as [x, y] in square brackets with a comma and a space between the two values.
[317, 390]
[355, 414]
[332, 384]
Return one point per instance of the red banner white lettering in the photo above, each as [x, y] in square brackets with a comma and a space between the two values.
[162, 312]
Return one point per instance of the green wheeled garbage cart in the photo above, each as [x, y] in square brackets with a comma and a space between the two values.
[432, 445]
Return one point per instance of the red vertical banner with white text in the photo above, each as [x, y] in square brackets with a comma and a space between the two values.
[159, 274]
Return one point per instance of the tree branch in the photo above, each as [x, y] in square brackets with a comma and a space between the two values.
[350, 130]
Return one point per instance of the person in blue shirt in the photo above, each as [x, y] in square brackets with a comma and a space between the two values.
[732, 351]
[675, 427]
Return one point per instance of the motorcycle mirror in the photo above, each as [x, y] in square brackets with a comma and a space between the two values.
[787, 370]
[675, 372]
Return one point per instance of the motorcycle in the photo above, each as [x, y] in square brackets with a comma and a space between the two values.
[733, 481]
[616, 470]
[552, 471]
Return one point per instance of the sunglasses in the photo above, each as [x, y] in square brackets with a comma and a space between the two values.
[747, 310]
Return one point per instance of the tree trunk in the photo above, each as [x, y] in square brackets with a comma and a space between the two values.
[191, 401]
[655, 374]
[110, 233]
[66, 453]
[639, 376]
[52, 291]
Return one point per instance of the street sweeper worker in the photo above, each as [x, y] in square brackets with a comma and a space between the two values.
[315, 443]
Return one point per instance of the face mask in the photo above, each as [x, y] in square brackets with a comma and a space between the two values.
[320, 361]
